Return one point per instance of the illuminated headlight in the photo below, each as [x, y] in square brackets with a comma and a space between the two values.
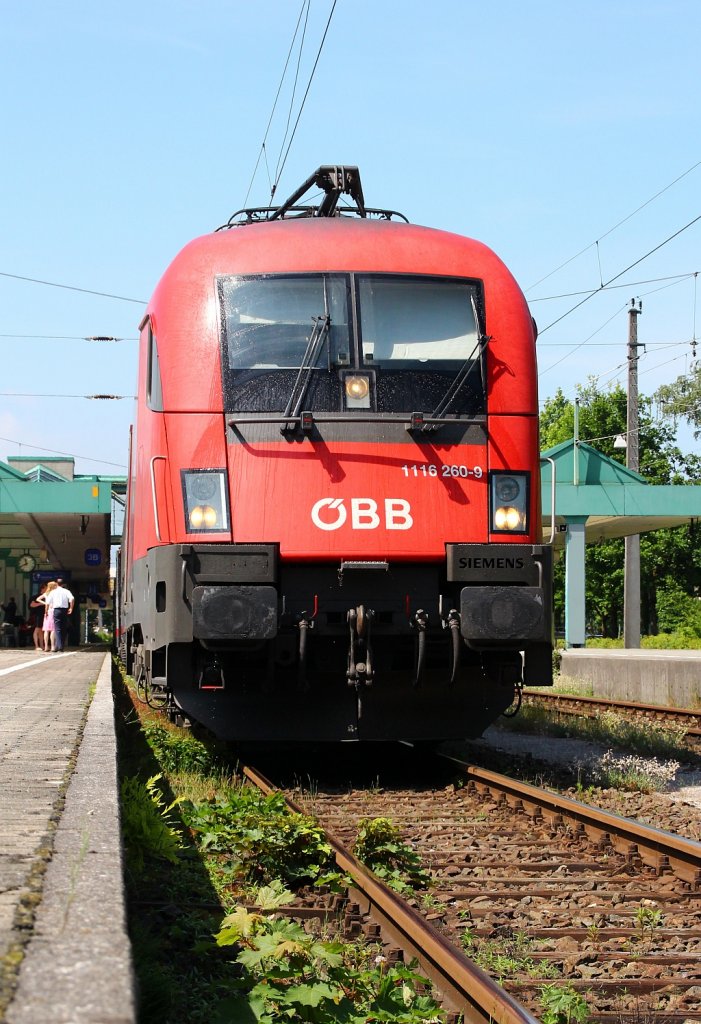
[205, 499]
[203, 517]
[357, 388]
[508, 518]
[509, 502]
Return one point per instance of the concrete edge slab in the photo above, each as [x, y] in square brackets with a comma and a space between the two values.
[83, 903]
[670, 678]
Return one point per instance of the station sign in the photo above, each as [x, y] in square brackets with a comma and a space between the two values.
[46, 575]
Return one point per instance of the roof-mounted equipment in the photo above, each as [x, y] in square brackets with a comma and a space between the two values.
[335, 181]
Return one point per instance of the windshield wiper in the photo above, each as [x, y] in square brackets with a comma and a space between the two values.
[460, 378]
[462, 374]
[317, 340]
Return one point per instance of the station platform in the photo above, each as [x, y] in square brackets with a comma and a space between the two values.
[672, 678]
[65, 956]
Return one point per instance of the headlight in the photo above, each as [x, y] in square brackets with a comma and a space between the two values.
[203, 517]
[205, 500]
[509, 502]
[357, 389]
[508, 518]
[507, 488]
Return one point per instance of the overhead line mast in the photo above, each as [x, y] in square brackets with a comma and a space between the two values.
[631, 577]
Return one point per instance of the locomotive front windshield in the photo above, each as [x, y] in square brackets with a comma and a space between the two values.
[412, 337]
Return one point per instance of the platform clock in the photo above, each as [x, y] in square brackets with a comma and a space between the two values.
[27, 563]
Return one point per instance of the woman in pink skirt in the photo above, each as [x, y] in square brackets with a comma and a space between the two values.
[48, 626]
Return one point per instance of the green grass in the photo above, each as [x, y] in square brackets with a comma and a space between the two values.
[505, 958]
[660, 642]
[201, 848]
[631, 772]
[608, 728]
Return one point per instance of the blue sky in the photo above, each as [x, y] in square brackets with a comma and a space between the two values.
[129, 129]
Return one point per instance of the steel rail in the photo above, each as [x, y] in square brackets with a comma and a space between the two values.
[683, 714]
[662, 850]
[465, 988]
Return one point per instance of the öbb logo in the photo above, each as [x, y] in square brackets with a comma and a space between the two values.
[364, 514]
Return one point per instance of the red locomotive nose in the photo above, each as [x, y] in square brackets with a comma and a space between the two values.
[353, 499]
[333, 508]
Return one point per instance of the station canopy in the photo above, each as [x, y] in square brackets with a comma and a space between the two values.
[613, 500]
[63, 520]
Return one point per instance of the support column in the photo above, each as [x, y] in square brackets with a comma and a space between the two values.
[631, 584]
[575, 578]
[11, 582]
[631, 592]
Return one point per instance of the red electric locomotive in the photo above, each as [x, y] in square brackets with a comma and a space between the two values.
[333, 515]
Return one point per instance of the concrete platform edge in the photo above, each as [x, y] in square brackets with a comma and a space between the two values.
[78, 965]
[649, 676]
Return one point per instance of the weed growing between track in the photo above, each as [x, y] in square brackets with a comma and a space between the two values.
[207, 859]
[624, 734]
[629, 772]
[380, 846]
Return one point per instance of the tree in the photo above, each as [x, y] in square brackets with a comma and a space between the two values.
[683, 398]
[602, 417]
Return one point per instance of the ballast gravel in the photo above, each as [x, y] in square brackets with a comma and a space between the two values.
[678, 809]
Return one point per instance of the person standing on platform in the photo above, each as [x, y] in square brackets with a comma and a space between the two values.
[48, 624]
[39, 616]
[61, 602]
[11, 619]
[67, 632]
[10, 610]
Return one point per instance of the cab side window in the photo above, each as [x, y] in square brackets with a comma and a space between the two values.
[154, 394]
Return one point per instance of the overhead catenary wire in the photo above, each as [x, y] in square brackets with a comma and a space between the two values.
[72, 288]
[657, 366]
[675, 278]
[67, 337]
[670, 283]
[581, 343]
[277, 96]
[610, 437]
[304, 98]
[621, 368]
[292, 98]
[99, 397]
[615, 371]
[596, 291]
[609, 344]
[615, 226]
[54, 451]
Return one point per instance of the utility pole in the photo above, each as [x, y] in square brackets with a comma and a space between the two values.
[631, 584]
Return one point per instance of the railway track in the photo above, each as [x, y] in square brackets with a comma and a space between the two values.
[575, 704]
[467, 992]
[540, 889]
